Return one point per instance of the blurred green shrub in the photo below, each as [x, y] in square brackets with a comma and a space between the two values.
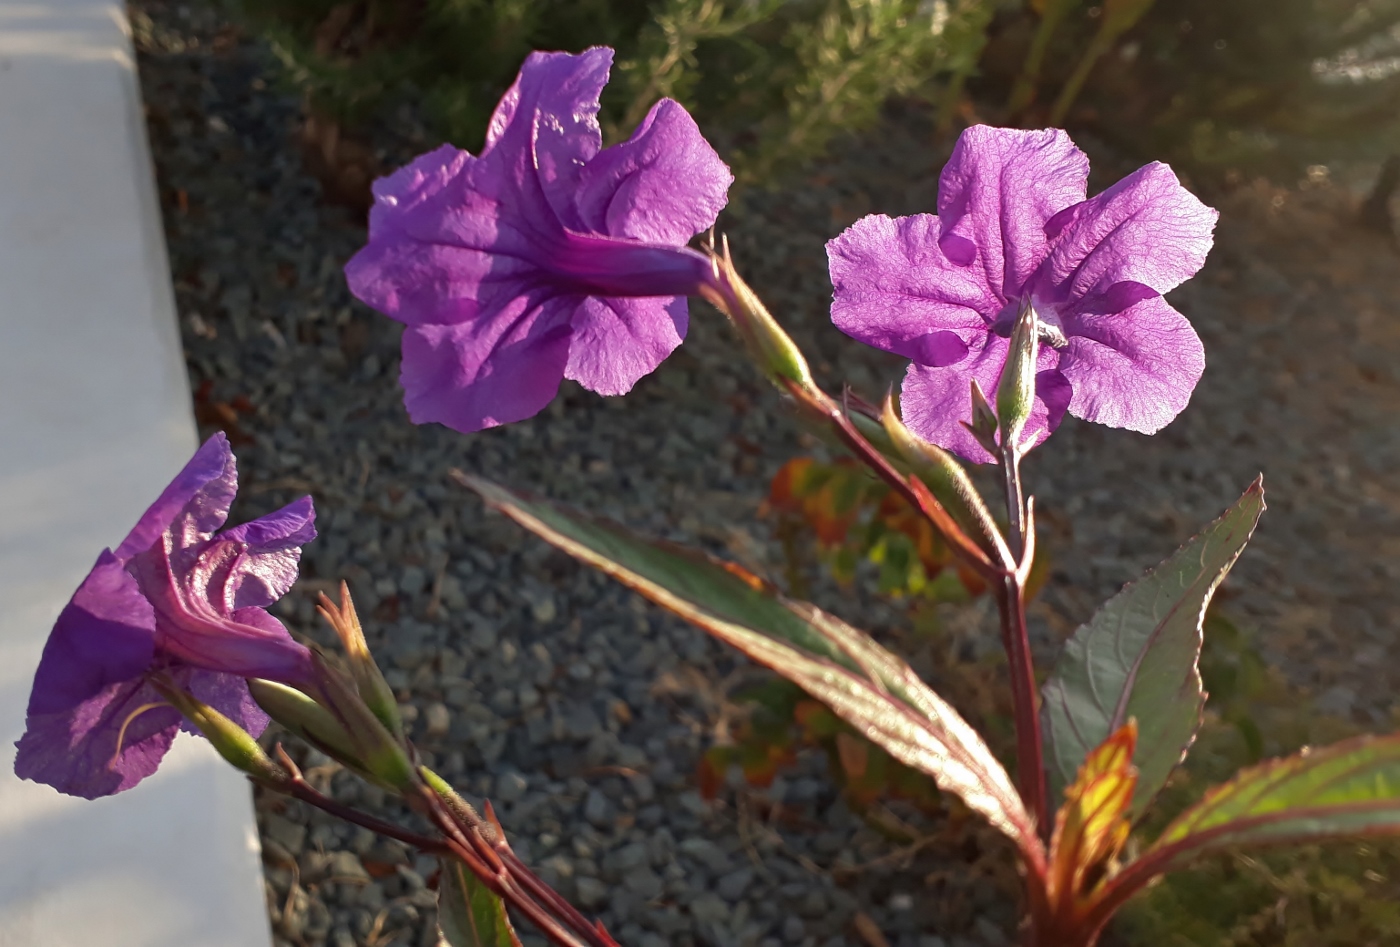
[1260, 85]
[773, 80]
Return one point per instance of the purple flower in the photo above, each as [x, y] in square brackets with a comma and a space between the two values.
[545, 257]
[174, 598]
[1013, 225]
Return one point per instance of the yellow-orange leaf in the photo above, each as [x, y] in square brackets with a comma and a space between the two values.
[1090, 827]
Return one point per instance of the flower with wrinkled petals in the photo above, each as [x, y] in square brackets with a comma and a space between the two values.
[176, 598]
[545, 257]
[1014, 226]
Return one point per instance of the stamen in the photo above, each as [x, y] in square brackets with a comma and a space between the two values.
[121, 734]
[1051, 335]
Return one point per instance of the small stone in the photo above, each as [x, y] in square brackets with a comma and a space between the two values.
[794, 930]
[597, 809]
[437, 719]
[706, 853]
[989, 933]
[483, 638]
[290, 835]
[709, 909]
[346, 866]
[590, 892]
[733, 885]
[511, 786]
[643, 881]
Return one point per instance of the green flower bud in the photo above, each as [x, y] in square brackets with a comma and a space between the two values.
[232, 742]
[948, 482]
[1016, 389]
[777, 356]
[374, 690]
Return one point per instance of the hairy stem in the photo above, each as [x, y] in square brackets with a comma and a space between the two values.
[1011, 600]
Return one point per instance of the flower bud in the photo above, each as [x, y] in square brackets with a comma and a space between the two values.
[232, 742]
[307, 719]
[948, 482]
[374, 690]
[1016, 389]
[983, 425]
[382, 754]
[778, 357]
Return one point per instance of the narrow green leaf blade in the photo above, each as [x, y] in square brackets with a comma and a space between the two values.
[863, 682]
[1349, 788]
[1345, 790]
[469, 914]
[1139, 657]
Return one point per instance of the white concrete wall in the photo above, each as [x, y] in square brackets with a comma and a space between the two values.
[94, 420]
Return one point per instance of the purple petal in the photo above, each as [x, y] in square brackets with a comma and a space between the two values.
[196, 502]
[616, 341]
[196, 625]
[1146, 230]
[996, 194]
[934, 400]
[663, 185]
[489, 372]
[893, 287]
[546, 128]
[76, 750]
[268, 567]
[1134, 369]
[104, 635]
[226, 693]
[440, 249]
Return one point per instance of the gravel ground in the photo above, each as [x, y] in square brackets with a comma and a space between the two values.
[580, 710]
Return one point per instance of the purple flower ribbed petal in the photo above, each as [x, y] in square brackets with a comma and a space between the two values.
[196, 623]
[1134, 369]
[545, 130]
[894, 287]
[996, 194]
[662, 185]
[618, 340]
[104, 635]
[508, 266]
[198, 499]
[1146, 230]
[76, 751]
[480, 374]
[268, 567]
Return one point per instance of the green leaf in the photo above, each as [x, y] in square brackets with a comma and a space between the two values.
[1138, 658]
[1349, 788]
[865, 684]
[469, 914]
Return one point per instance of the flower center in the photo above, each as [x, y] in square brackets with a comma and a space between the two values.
[1047, 321]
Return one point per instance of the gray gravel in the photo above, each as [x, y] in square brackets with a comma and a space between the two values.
[580, 710]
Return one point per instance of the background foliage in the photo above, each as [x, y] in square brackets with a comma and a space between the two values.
[1253, 85]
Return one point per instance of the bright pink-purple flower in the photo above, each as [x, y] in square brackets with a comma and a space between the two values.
[176, 598]
[1013, 225]
[547, 256]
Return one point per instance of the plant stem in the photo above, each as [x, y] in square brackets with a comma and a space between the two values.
[1030, 757]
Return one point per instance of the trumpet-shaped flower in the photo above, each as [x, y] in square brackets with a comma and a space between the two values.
[175, 598]
[1014, 227]
[545, 257]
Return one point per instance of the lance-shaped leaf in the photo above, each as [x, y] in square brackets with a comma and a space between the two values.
[1347, 789]
[469, 914]
[1138, 657]
[865, 684]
